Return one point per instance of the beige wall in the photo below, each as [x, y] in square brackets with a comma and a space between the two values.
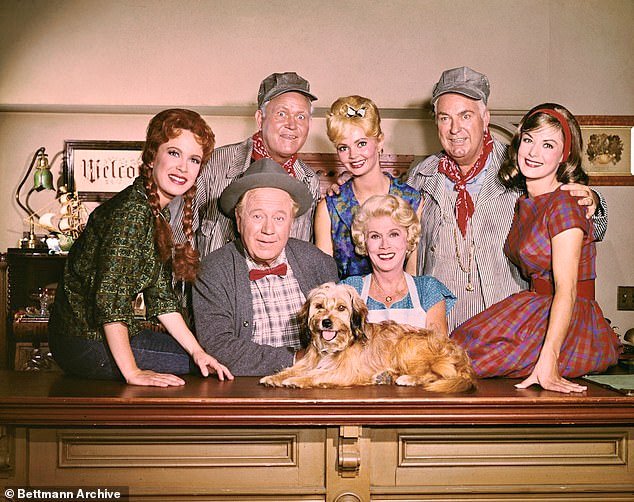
[99, 70]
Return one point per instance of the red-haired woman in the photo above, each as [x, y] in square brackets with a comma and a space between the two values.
[127, 249]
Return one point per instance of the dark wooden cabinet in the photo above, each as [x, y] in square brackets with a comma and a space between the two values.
[240, 441]
[27, 271]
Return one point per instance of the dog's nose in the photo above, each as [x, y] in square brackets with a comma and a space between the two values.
[326, 323]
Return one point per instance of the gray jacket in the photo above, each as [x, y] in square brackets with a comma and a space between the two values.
[223, 309]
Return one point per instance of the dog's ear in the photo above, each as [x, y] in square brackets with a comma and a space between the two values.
[359, 315]
[302, 321]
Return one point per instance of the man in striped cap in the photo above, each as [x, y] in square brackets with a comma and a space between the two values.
[467, 212]
[283, 118]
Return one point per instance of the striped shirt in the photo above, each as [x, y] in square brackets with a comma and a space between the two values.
[493, 276]
[213, 229]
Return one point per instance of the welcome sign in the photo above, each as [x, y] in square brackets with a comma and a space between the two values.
[99, 169]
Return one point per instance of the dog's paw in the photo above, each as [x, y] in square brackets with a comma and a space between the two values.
[406, 380]
[295, 382]
[385, 378]
[270, 381]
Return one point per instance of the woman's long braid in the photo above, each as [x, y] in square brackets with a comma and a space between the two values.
[186, 258]
[162, 229]
[164, 126]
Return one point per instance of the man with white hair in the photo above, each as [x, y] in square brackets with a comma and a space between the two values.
[467, 212]
[249, 292]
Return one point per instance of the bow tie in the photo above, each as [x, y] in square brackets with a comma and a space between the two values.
[256, 273]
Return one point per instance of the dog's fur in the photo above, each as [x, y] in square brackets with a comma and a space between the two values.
[344, 349]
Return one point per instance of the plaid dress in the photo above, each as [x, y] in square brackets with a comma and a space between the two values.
[506, 338]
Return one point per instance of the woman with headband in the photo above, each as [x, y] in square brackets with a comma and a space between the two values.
[555, 330]
[354, 127]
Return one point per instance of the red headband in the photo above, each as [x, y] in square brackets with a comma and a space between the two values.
[564, 126]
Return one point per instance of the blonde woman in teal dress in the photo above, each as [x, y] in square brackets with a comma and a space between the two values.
[387, 230]
[354, 127]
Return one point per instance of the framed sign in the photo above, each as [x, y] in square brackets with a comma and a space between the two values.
[607, 154]
[99, 169]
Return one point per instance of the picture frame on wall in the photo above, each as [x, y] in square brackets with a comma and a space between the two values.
[607, 154]
[97, 169]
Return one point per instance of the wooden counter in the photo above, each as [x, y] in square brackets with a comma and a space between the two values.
[41, 398]
[241, 441]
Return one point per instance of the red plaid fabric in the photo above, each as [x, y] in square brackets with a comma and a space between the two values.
[506, 339]
[276, 302]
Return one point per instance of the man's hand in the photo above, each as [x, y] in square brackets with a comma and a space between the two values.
[585, 195]
[333, 190]
[341, 179]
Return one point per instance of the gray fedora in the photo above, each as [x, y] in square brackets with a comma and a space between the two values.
[265, 173]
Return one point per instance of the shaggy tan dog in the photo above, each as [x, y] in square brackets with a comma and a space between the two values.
[345, 349]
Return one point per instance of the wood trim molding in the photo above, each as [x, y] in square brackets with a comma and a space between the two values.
[328, 167]
[53, 399]
[607, 120]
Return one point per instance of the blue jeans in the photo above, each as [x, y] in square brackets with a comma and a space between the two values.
[92, 358]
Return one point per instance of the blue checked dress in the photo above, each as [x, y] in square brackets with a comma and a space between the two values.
[506, 338]
[341, 209]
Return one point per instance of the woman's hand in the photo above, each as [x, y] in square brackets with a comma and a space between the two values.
[205, 362]
[546, 374]
[150, 378]
[119, 344]
[566, 252]
[177, 327]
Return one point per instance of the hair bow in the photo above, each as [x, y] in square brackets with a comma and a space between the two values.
[351, 112]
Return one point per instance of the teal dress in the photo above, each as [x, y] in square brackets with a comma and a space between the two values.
[341, 209]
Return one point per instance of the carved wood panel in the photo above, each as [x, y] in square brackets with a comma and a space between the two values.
[329, 169]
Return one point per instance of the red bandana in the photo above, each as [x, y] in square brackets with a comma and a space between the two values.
[261, 152]
[450, 168]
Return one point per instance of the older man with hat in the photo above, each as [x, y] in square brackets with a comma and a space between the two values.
[467, 212]
[249, 292]
[283, 118]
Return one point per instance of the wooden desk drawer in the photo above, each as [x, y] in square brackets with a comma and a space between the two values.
[173, 462]
[483, 459]
[29, 329]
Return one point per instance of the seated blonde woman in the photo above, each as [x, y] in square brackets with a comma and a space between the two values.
[386, 229]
